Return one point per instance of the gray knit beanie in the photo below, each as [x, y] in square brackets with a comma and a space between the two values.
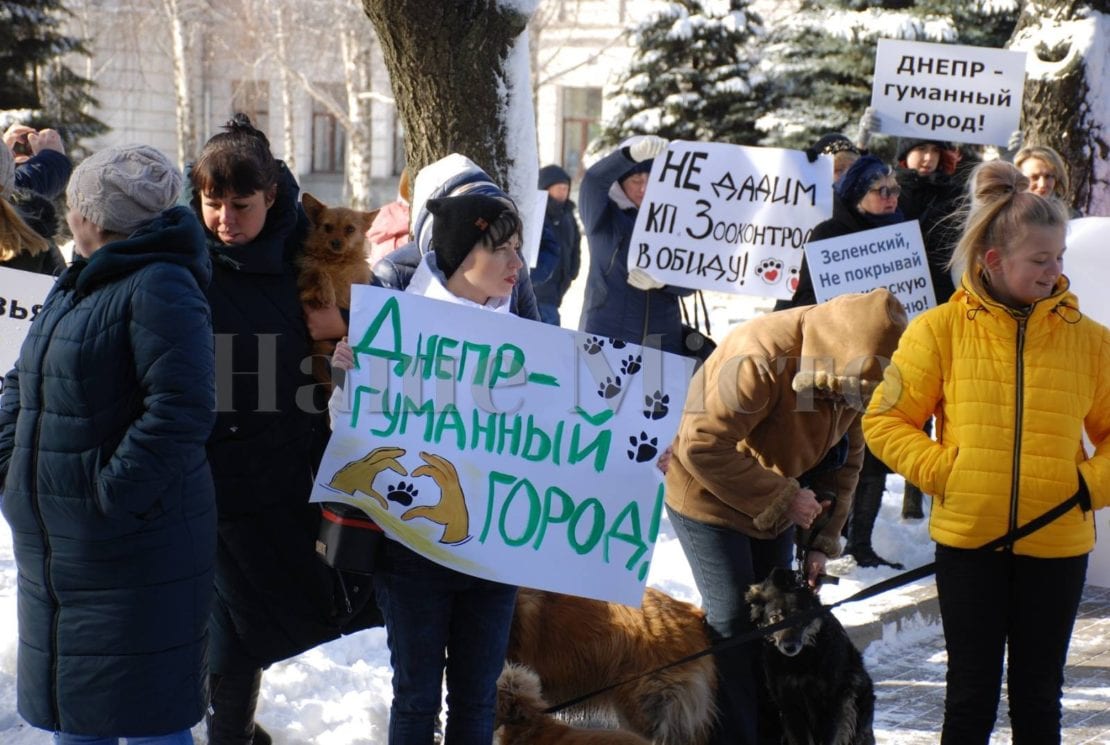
[7, 171]
[120, 188]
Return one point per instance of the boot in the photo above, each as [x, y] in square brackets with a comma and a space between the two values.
[230, 717]
[261, 736]
[865, 508]
[912, 503]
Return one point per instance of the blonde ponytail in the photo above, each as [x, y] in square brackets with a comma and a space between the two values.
[16, 236]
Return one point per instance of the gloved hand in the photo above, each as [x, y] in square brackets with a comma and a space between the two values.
[641, 280]
[646, 148]
[1017, 139]
[868, 124]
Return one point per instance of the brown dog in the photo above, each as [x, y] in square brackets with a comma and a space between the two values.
[521, 721]
[577, 645]
[333, 259]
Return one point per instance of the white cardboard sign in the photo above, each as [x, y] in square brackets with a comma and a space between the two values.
[533, 229]
[730, 218]
[1085, 265]
[892, 256]
[22, 294]
[948, 92]
[504, 448]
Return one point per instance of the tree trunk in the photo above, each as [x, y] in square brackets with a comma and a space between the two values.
[447, 60]
[357, 61]
[1058, 80]
[289, 139]
[186, 129]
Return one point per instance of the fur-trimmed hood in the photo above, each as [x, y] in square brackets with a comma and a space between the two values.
[778, 393]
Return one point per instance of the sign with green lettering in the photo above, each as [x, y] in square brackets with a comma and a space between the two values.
[504, 448]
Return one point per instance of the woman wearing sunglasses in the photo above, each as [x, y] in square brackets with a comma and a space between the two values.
[866, 197]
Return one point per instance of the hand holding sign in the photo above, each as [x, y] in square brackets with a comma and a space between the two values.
[646, 148]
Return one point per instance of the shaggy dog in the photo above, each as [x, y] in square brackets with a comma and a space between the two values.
[333, 259]
[521, 721]
[577, 645]
[815, 674]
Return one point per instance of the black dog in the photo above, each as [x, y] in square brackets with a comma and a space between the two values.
[815, 674]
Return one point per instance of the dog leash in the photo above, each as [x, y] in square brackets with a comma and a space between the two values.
[871, 591]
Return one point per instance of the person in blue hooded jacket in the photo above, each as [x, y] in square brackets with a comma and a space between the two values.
[107, 489]
[629, 306]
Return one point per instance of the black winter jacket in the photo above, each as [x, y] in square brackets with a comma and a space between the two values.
[560, 219]
[931, 200]
[274, 597]
[108, 492]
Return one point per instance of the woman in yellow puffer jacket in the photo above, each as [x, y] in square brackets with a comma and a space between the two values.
[1014, 374]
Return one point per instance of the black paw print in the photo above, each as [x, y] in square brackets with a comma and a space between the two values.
[646, 448]
[610, 388]
[632, 365]
[656, 405]
[402, 493]
[617, 343]
[593, 345]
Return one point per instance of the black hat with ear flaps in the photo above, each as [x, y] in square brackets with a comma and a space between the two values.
[460, 222]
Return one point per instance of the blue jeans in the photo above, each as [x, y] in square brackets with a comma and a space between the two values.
[184, 737]
[991, 601]
[725, 563]
[438, 619]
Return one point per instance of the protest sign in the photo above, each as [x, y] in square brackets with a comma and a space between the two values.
[21, 297]
[730, 218]
[1085, 265]
[504, 448]
[892, 256]
[533, 229]
[948, 92]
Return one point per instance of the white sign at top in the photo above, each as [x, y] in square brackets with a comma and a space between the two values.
[948, 92]
[730, 218]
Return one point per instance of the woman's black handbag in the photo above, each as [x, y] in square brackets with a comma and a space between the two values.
[696, 342]
[348, 540]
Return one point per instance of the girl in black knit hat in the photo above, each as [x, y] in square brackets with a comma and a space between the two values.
[436, 616]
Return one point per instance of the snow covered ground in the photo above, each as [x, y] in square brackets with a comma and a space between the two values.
[339, 693]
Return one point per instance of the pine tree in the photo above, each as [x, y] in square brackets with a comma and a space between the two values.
[824, 56]
[33, 76]
[693, 75]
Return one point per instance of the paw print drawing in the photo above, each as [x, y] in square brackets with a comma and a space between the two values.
[402, 493]
[656, 406]
[792, 278]
[593, 345]
[610, 388]
[632, 365]
[769, 270]
[646, 448]
[617, 343]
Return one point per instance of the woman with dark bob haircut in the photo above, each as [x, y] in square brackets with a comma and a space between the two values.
[274, 598]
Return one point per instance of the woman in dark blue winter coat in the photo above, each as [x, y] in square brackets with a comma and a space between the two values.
[274, 597]
[107, 488]
[631, 307]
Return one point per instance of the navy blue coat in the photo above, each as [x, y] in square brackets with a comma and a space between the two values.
[612, 307]
[274, 597]
[45, 173]
[108, 492]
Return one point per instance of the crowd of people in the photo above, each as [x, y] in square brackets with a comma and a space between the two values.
[159, 434]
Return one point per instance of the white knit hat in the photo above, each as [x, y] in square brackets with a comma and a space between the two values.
[120, 188]
[7, 171]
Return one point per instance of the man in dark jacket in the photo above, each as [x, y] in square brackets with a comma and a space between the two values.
[562, 223]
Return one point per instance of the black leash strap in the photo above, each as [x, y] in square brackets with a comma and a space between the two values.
[805, 616]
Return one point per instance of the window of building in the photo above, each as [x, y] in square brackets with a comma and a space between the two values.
[252, 97]
[329, 139]
[581, 124]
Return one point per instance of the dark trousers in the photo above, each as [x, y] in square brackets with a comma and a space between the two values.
[438, 619]
[991, 600]
[725, 563]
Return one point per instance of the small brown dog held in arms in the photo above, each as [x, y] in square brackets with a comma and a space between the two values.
[333, 259]
[577, 645]
[521, 721]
